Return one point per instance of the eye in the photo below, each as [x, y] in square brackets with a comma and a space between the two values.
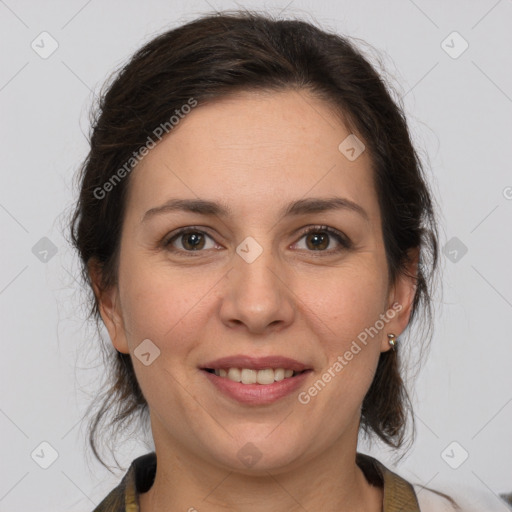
[190, 239]
[318, 238]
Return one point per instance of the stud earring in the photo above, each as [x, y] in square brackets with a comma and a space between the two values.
[392, 340]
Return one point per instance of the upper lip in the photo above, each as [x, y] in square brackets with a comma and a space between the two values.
[256, 363]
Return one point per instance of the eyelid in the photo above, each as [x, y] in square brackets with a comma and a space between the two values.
[168, 239]
[340, 237]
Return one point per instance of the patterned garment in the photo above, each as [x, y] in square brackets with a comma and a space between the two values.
[399, 495]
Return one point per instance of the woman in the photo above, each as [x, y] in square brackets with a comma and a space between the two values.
[255, 225]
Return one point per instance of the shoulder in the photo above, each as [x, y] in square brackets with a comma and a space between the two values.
[458, 498]
[449, 497]
[139, 478]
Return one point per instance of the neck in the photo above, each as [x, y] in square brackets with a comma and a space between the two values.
[330, 481]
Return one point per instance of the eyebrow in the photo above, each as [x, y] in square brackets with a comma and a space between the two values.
[295, 208]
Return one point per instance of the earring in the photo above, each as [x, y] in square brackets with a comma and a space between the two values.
[392, 340]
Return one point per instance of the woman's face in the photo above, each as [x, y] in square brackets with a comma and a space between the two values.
[249, 282]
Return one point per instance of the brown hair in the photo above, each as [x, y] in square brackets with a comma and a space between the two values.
[217, 55]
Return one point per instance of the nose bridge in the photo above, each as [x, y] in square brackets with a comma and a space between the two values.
[257, 295]
[257, 265]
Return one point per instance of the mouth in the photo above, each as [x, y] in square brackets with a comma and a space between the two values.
[263, 377]
[256, 380]
[251, 387]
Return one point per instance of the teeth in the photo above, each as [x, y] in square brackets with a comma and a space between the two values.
[279, 374]
[248, 376]
[263, 376]
[234, 374]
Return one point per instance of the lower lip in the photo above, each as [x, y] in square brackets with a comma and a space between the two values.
[257, 394]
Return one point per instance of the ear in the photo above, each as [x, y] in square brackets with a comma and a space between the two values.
[401, 298]
[110, 307]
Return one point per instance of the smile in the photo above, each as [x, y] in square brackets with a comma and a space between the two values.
[251, 392]
[250, 376]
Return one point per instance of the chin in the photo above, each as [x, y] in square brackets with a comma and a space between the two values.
[259, 455]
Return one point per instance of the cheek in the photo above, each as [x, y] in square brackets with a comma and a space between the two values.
[162, 306]
[344, 311]
[345, 302]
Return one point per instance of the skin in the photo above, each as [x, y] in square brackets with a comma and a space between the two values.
[255, 152]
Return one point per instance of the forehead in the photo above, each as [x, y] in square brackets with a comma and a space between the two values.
[254, 150]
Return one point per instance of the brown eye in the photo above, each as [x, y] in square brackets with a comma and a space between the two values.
[319, 238]
[190, 240]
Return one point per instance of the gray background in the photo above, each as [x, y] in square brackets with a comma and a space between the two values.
[460, 115]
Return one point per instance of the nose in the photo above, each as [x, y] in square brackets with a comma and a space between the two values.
[257, 295]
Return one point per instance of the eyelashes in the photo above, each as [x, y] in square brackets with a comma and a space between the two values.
[343, 241]
[197, 243]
